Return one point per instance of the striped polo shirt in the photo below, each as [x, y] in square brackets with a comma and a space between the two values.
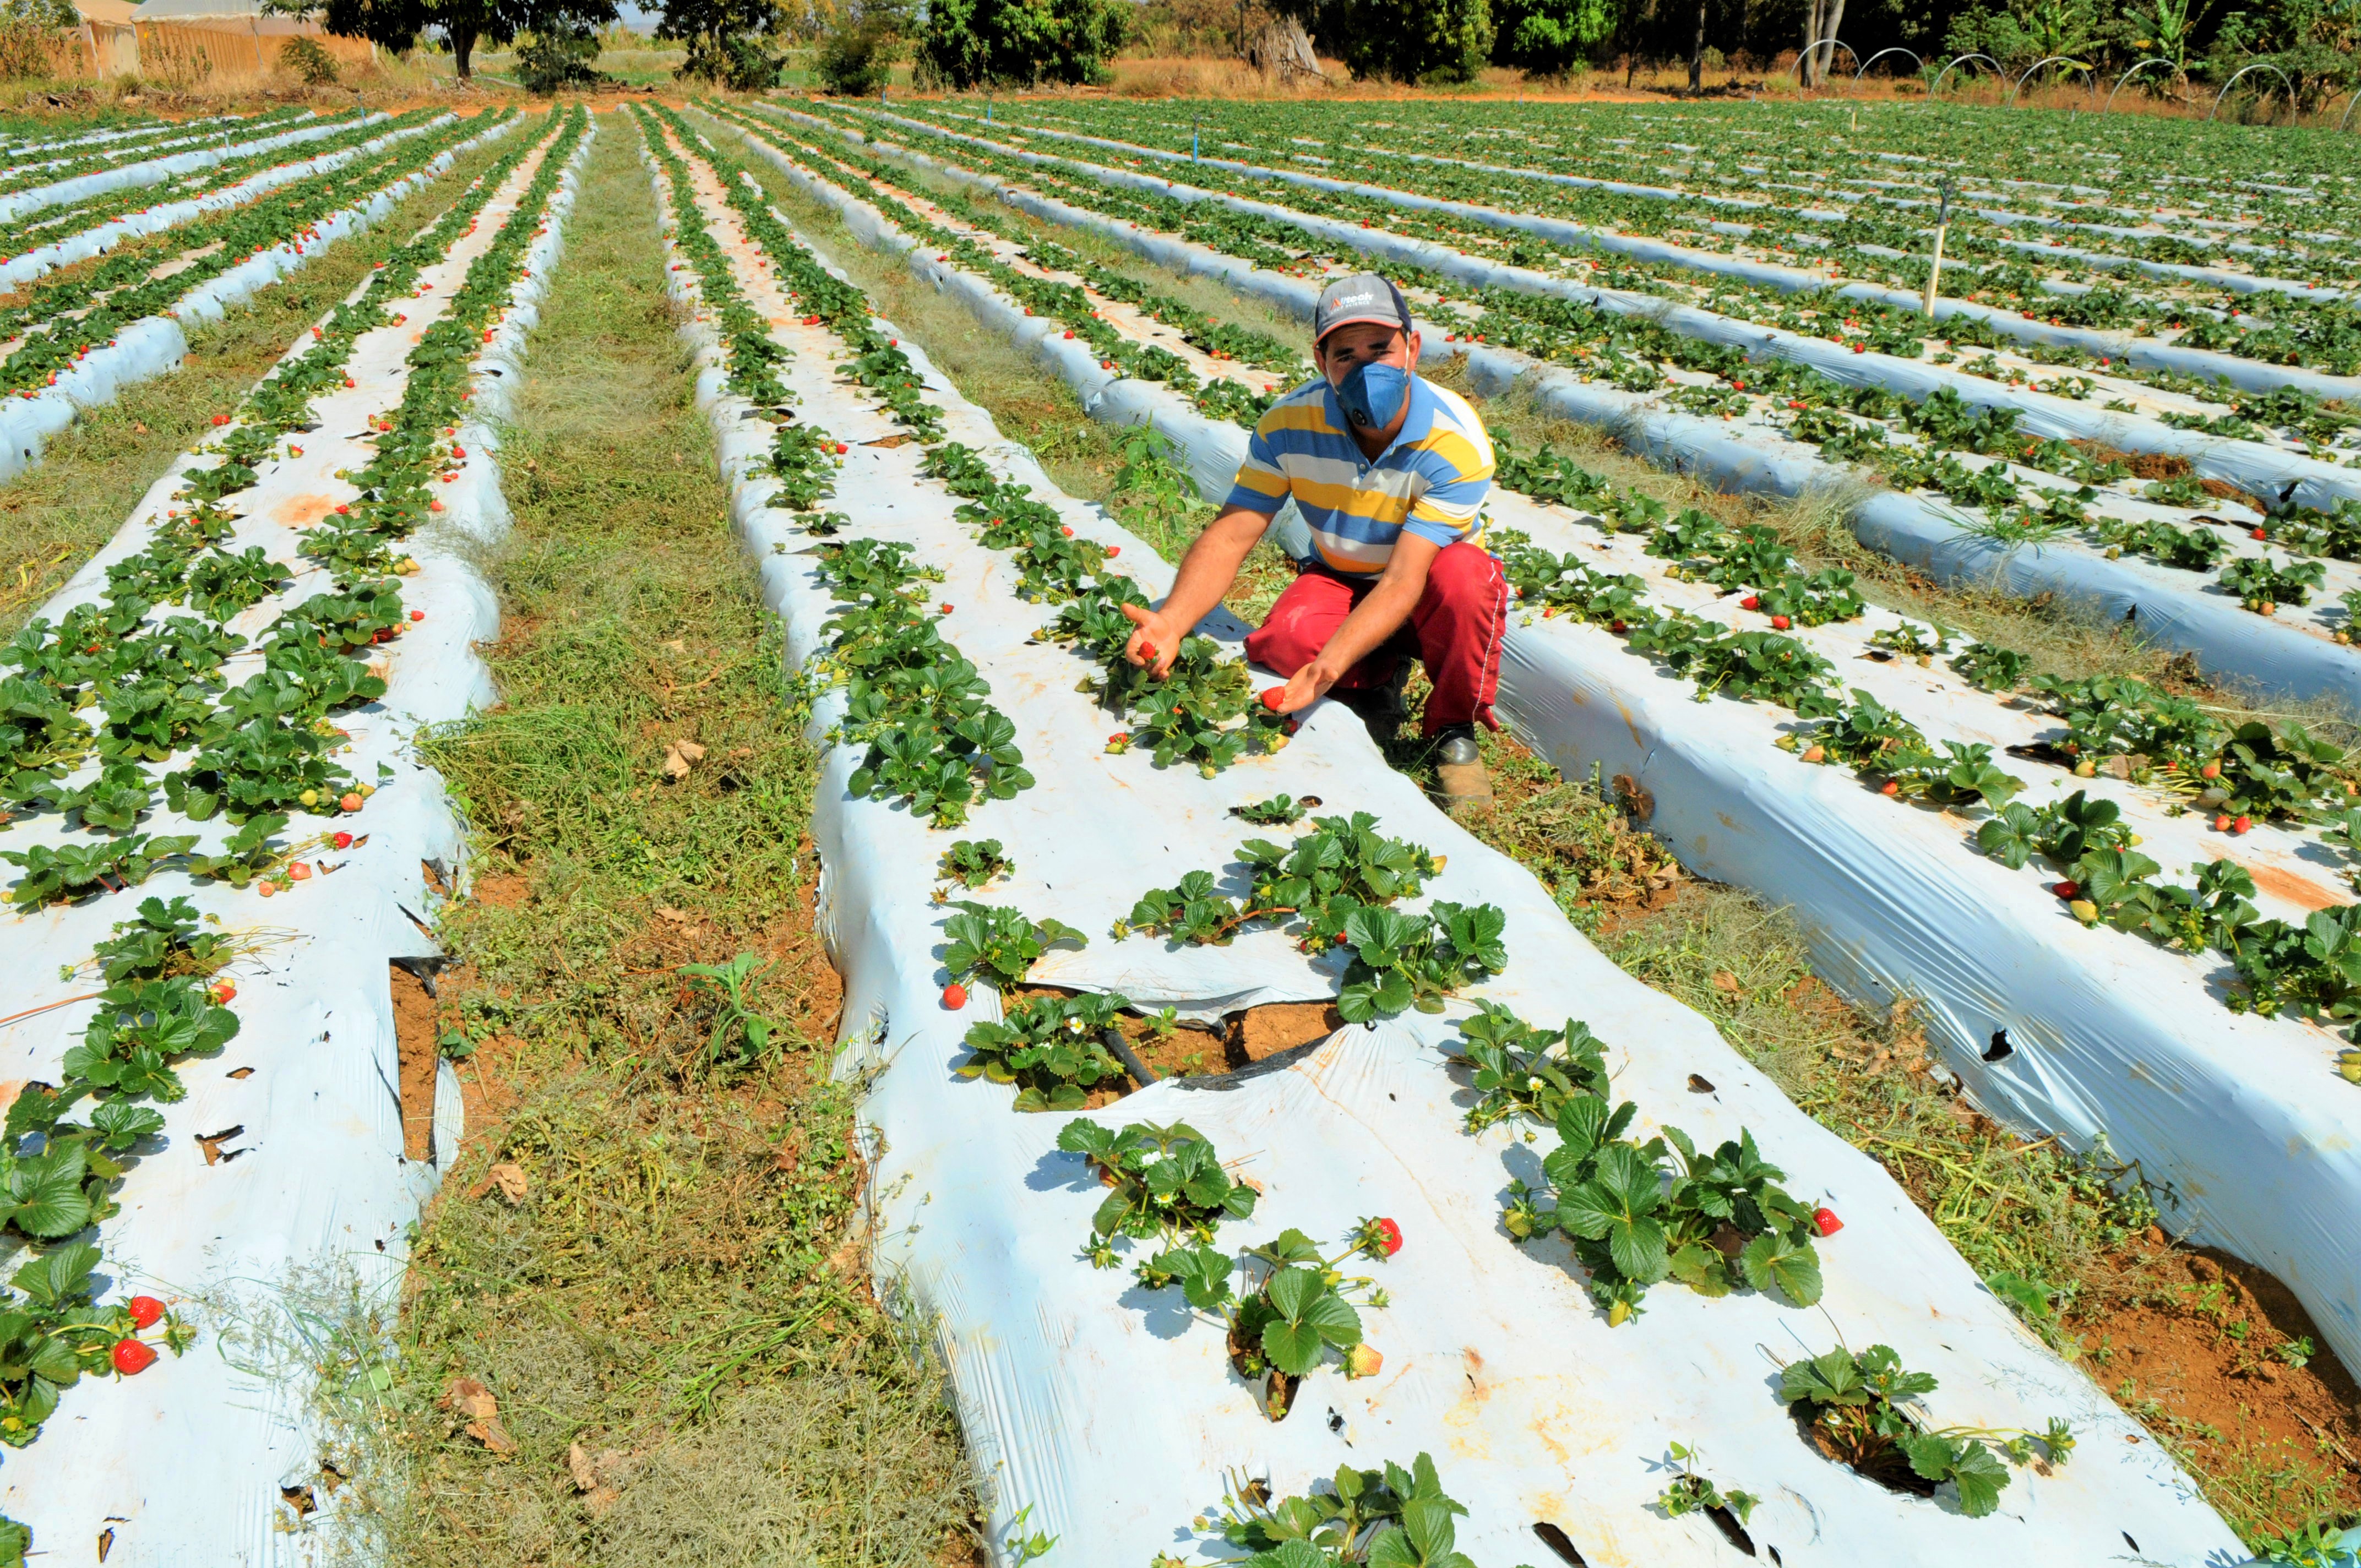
[1432, 479]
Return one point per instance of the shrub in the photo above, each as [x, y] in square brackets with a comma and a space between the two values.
[306, 58]
[857, 54]
[1018, 43]
[1552, 37]
[1416, 40]
[558, 58]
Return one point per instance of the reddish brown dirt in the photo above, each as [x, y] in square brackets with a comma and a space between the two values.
[415, 1032]
[2198, 1344]
[1263, 1032]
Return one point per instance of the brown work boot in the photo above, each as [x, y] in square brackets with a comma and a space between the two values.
[1466, 786]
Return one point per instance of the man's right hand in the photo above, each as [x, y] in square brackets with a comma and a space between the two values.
[1156, 644]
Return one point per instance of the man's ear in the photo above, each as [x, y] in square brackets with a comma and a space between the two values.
[1411, 362]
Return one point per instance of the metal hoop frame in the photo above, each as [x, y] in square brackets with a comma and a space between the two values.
[2053, 59]
[1832, 43]
[1880, 54]
[2348, 111]
[2258, 65]
[2134, 70]
[1955, 65]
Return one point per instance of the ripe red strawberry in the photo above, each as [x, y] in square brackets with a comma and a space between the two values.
[2260, 533]
[1825, 1220]
[131, 1357]
[1752, 601]
[1889, 787]
[221, 419]
[417, 614]
[2210, 771]
[1069, 331]
[221, 991]
[944, 607]
[1113, 550]
[146, 1312]
[1385, 1235]
[840, 449]
[1272, 697]
[1064, 530]
[342, 840]
[1779, 623]
[1147, 650]
[2244, 824]
[2066, 890]
[350, 801]
[2221, 822]
[955, 996]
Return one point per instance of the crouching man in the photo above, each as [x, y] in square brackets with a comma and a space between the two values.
[1390, 471]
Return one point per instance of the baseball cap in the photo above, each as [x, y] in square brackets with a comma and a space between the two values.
[1363, 297]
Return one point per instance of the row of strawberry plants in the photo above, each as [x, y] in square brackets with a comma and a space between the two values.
[222, 181]
[1630, 353]
[1637, 1214]
[2318, 332]
[2249, 772]
[1764, 206]
[2242, 773]
[1201, 714]
[49, 223]
[285, 215]
[261, 749]
[1221, 397]
[163, 996]
[171, 139]
[131, 263]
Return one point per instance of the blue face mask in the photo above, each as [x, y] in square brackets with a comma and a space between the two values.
[1373, 393]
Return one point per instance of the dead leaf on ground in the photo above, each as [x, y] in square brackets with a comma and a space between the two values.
[677, 916]
[473, 1403]
[509, 1180]
[681, 756]
[594, 1478]
[1724, 983]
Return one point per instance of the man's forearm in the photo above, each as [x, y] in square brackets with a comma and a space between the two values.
[1211, 565]
[1375, 619]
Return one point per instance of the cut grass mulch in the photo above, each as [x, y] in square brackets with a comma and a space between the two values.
[649, 1253]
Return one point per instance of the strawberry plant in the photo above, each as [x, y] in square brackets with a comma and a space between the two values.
[1164, 1182]
[974, 863]
[2262, 585]
[1860, 1411]
[2062, 832]
[1989, 666]
[1279, 811]
[51, 1333]
[1048, 1048]
[1522, 1071]
[70, 872]
[999, 944]
[1692, 1492]
[1715, 1222]
[1391, 1517]
[1290, 1307]
[804, 459]
[247, 854]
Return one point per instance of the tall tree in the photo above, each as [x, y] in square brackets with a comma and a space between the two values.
[722, 39]
[397, 24]
[1550, 37]
[968, 43]
[1414, 40]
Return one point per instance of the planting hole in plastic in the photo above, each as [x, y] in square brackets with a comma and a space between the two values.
[1555, 1539]
[1732, 1530]
[2129, 1541]
[2000, 1050]
[1701, 1084]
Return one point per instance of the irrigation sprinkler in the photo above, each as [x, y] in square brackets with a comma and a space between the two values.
[2053, 59]
[1942, 225]
[1955, 65]
[2258, 65]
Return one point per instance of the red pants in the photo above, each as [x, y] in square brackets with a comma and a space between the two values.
[1455, 630]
